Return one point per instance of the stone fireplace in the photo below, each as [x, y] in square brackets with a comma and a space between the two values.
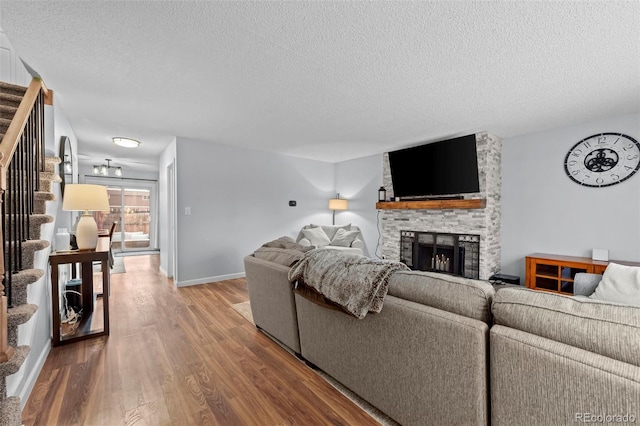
[482, 225]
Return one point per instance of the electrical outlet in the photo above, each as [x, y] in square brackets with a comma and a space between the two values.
[292, 203]
[187, 211]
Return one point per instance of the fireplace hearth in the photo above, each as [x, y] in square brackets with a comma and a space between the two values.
[456, 254]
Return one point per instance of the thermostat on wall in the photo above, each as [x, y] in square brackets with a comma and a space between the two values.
[600, 254]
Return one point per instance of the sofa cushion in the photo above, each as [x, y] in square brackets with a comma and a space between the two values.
[462, 296]
[344, 238]
[316, 236]
[611, 330]
[330, 230]
[282, 256]
[620, 283]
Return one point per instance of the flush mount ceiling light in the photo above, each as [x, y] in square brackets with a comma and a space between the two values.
[126, 142]
[103, 169]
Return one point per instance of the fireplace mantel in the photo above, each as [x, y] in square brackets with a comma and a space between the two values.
[480, 203]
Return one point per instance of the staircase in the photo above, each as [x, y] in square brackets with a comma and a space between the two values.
[21, 229]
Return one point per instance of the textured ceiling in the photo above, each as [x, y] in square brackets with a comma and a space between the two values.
[326, 80]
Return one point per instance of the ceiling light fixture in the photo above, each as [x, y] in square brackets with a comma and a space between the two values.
[126, 142]
[103, 169]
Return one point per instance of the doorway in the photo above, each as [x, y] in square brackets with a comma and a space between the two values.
[133, 206]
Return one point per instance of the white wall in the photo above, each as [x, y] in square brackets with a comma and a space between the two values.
[545, 211]
[358, 181]
[239, 200]
[11, 68]
[167, 157]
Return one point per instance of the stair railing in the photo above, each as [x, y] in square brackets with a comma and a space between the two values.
[21, 161]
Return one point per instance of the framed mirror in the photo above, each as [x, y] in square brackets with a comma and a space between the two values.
[66, 165]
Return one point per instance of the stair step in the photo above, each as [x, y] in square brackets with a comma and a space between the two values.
[40, 205]
[13, 365]
[16, 316]
[12, 99]
[51, 164]
[46, 179]
[7, 111]
[10, 412]
[35, 224]
[13, 89]
[19, 283]
[29, 248]
[4, 124]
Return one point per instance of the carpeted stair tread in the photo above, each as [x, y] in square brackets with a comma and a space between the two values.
[13, 365]
[44, 195]
[7, 111]
[46, 178]
[20, 314]
[27, 276]
[12, 99]
[41, 198]
[16, 316]
[36, 221]
[19, 283]
[10, 412]
[51, 164]
[29, 248]
[13, 89]
[4, 124]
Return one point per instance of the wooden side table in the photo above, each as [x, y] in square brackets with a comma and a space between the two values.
[85, 258]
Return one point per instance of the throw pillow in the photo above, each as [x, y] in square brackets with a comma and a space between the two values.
[344, 238]
[331, 230]
[620, 284]
[317, 236]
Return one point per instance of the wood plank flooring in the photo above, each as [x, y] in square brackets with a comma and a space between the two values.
[181, 356]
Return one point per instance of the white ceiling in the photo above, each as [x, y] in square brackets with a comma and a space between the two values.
[326, 80]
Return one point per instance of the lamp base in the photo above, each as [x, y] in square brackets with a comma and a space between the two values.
[87, 233]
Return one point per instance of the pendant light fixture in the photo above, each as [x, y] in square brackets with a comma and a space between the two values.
[103, 169]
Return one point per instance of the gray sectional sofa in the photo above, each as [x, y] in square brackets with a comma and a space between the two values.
[559, 360]
[452, 351]
[425, 356]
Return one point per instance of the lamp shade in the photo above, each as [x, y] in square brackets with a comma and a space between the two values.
[338, 204]
[85, 197]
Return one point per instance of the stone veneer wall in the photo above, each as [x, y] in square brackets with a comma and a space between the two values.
[484, 222]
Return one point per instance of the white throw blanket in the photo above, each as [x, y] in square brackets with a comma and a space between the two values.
[357, 284]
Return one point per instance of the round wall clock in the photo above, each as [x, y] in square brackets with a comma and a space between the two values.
[603, 159]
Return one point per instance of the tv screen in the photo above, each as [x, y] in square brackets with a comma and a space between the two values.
[442, 168]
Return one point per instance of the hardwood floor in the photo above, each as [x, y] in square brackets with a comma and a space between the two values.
[181, 356]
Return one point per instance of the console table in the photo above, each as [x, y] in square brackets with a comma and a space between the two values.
[85, 259]
[555, 273]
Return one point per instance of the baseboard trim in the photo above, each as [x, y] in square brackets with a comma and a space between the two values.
[209, 279]
[25, 392]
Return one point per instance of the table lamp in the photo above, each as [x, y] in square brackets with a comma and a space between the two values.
[85, 198]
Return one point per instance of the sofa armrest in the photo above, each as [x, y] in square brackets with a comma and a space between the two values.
[584, 284]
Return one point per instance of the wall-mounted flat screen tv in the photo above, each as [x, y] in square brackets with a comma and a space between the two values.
[445, 168]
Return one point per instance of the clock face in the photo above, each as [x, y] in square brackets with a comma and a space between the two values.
[603, 159]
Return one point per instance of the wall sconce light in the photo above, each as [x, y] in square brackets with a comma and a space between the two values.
[103, 169]
[337, 204]
[85, 198]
